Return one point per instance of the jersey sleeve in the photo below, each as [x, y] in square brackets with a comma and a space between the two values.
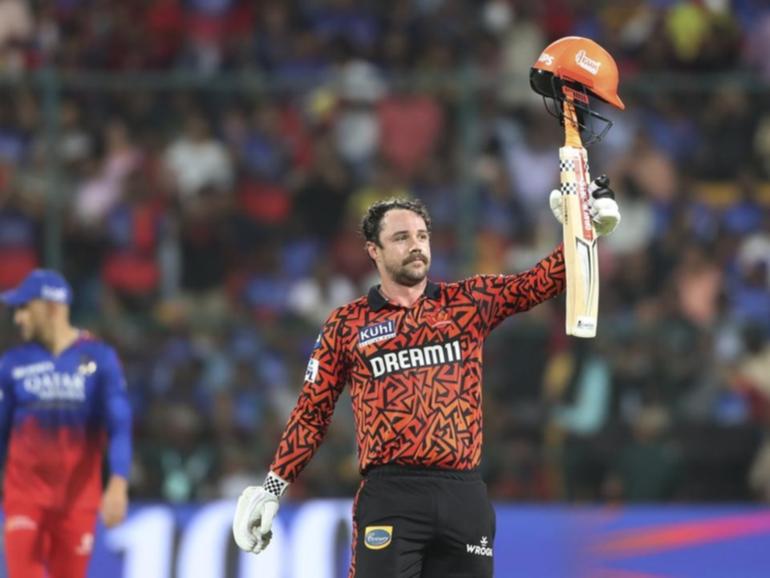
[325, 378]
[7, 403]
[499, 296]
[117, 413]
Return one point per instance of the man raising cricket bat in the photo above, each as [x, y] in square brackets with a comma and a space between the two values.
[411, 353]
[569, 72]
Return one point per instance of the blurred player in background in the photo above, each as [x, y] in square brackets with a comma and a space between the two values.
[411, 352]
[62, 402]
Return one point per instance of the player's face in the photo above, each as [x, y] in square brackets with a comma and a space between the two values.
[404, 250]
[31, 319]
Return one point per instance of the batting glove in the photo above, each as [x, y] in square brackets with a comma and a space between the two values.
[254, 514]
[602, 206]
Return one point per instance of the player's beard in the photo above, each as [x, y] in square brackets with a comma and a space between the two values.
[405, 274]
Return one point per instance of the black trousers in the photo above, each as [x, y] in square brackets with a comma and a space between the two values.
[422, 523]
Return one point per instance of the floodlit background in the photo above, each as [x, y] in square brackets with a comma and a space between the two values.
[198, 169]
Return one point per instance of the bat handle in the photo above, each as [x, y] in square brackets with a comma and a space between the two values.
[571, 127]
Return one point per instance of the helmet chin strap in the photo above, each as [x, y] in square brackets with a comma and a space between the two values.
[586, 117]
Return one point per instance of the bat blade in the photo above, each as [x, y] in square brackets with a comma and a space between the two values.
[580, 251]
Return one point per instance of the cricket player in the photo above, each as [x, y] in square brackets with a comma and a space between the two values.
[62, 403]
[411, 353]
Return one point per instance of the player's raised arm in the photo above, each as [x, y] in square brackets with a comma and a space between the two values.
[499, 296]
[117, 412]
[325, 379]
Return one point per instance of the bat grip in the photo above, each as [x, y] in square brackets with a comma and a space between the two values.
[571, 130]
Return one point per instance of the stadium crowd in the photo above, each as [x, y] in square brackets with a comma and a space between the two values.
[208, 224]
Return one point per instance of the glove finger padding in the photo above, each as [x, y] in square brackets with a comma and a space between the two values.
[269, 511]
[242, 534]
[556, 204]
[605, 214]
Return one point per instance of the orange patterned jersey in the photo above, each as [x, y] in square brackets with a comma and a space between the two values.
[414, 372]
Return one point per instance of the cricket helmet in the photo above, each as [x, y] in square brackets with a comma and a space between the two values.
[577, 68]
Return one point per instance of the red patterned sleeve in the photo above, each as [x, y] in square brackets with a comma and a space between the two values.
[499, 296]
[325, 378]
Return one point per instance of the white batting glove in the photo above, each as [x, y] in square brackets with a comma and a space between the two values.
[557, 205]
[254, 514]
[602, 206]
[604, 210]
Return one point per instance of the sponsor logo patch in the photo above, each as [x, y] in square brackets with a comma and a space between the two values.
[56, 386]
[86, 545]
[587, 63]
[481, 549]
[311, 373]
[25, 370]
[49, 293]
[374, 333]
[378, 537]
[20, 522]
[87, 366]
[415, 358]
[546, 58]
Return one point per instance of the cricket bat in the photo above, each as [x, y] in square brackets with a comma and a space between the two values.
[580, 253]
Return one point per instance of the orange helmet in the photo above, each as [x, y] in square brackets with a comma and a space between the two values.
[579, 60]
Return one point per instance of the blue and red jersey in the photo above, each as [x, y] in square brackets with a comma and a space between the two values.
[58, 414]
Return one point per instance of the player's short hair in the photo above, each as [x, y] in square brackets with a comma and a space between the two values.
[371, 225]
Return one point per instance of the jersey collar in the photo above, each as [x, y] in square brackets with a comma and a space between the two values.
[377, 301]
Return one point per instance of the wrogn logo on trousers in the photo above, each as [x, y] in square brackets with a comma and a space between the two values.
[481, 549]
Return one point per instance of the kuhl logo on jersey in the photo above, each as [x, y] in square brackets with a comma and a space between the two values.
[374, 333]
[415, 358]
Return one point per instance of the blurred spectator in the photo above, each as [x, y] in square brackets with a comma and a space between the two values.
[758, 43]
[727, 131]
[755, 248]
[19, 237]
[133, 231]
[16, 26]
[75, 142]
[411, 126]
[263, 152]
[344, 19]
[313, 298]
[197, 160]
[179, 461]
[745, 215]
[323, 192]
[521, 41]
[104, 187]
[648, 469]
[357, 127]
[578, 387]
[163, 21]
[532, 166]
[699, 286]
[751, 378]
